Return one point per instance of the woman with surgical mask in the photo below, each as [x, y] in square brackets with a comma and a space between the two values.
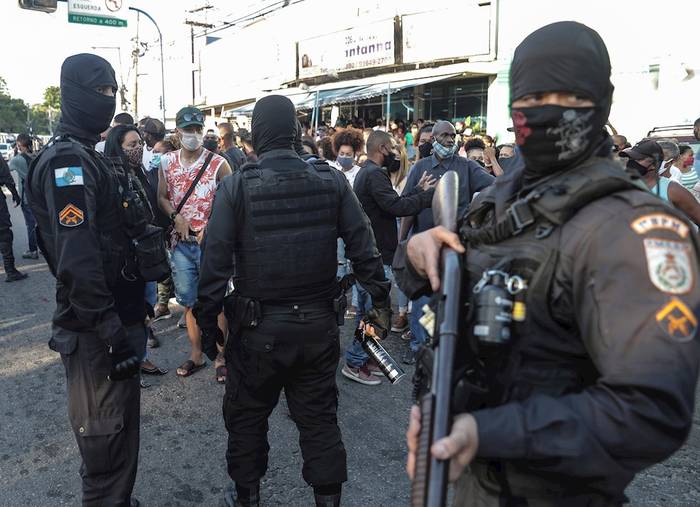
[347, 144]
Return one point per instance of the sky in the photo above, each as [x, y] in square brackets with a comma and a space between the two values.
[36, 44]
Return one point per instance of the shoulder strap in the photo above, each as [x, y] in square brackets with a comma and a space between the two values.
[194, 182]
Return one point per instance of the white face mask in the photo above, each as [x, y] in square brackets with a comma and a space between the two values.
[192, 140]
[664, 165]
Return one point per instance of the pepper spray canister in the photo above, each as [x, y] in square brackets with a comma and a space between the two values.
[389, 367]
[493, 306]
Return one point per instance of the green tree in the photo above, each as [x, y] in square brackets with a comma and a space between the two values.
[52, 97]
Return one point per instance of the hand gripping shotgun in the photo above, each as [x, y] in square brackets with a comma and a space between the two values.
[434, 386]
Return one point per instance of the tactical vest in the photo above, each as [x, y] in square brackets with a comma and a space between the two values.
[288, 246]
[546, 353]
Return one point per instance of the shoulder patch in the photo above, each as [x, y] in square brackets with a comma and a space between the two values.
[654, 221]
[71, 216]
[68, 176]
[677, 320]
[669, 264]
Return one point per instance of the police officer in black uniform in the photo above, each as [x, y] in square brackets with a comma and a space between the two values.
[12, 274]
[85, 220]
[274, 229]
[594, 379]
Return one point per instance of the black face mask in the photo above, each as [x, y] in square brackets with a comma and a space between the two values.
[85, 112]
[425, 150]
[553, 138]
[211, 145]
[391, 163]
[561, 57]
[636, 168]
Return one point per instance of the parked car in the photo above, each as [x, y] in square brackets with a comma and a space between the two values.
[7, 150]
[682, 134]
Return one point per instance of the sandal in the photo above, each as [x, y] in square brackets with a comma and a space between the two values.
[189, 368]
[221, 373]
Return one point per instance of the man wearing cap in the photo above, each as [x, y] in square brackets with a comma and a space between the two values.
[645, 160]
[152, 131]
[85, 235]
[187, 183]
[595, 378]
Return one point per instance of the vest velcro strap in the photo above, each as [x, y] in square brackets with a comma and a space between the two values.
[520, 216]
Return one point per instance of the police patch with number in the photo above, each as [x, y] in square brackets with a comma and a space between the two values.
[669, 264]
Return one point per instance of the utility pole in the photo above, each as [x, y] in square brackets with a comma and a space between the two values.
[136, 54]
[192, 25]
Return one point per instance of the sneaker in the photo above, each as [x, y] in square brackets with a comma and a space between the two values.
[373, 368]
[182, 323]
[361, 375]
[15, 276]
[407, 336]
[161, 312]
[400, 323]
[29, 254]
[409, 357]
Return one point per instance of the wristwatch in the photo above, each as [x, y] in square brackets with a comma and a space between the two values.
[173, 215]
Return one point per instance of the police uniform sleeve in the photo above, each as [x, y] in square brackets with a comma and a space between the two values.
[217, 257]
[71, 186]
[360, 246]
[6, 177]
[636, 293]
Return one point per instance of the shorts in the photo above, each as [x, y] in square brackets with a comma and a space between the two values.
[184, 262]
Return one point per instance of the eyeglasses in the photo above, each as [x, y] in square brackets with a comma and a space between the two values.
[193, 116]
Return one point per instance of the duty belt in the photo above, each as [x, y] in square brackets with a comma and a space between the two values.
[300, 309]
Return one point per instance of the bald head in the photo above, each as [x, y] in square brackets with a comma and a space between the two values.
[376, 140]
[442, 127]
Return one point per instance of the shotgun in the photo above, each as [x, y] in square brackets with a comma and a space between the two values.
[434, 382]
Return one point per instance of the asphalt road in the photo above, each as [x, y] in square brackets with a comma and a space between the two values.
[183, 436]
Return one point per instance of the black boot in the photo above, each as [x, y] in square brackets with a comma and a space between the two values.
[8, 260]
[327, 495]
[242, 496]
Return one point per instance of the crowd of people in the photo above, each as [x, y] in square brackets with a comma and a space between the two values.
[219, 194]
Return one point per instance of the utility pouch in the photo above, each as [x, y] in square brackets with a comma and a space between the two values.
[151, 256]
[242, 311]
[340, 304]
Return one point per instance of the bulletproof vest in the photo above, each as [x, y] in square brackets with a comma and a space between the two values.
[288, 246]
[122, 213]
[545, 354]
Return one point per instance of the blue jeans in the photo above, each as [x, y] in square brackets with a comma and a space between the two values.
[420, 335]
[184, 262]
[355, 355]
[343, 263]
[31, 225]
[151, 293]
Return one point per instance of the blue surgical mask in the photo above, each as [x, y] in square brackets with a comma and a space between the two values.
[155, 162]
[345, 162]
[444, 151]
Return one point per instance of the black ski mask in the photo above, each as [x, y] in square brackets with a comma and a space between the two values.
[561, 57]
[274, 124]
[86, 113]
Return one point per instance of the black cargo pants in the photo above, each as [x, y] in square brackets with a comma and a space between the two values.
[104, 415]
[6, 234]
[297, 352]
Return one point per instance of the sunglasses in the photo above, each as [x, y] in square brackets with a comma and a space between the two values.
[193, 116]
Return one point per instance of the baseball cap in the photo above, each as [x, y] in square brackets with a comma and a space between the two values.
[189, 115]
[153, 126]
[644, 149]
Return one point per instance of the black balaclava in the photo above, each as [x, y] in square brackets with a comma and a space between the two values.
[561, 57]
[274, 124]
[86, 113]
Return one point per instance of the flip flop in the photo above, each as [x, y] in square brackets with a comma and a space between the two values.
[221, 373]
[190, 368]
[153, 371]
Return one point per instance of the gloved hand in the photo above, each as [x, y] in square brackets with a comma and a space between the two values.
[16, 198]
[380, 317]
[125, 363]
[210, 339]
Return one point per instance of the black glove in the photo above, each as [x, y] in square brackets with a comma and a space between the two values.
[16, 198]
[380, 317]
[210, 339]
[125, 363]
